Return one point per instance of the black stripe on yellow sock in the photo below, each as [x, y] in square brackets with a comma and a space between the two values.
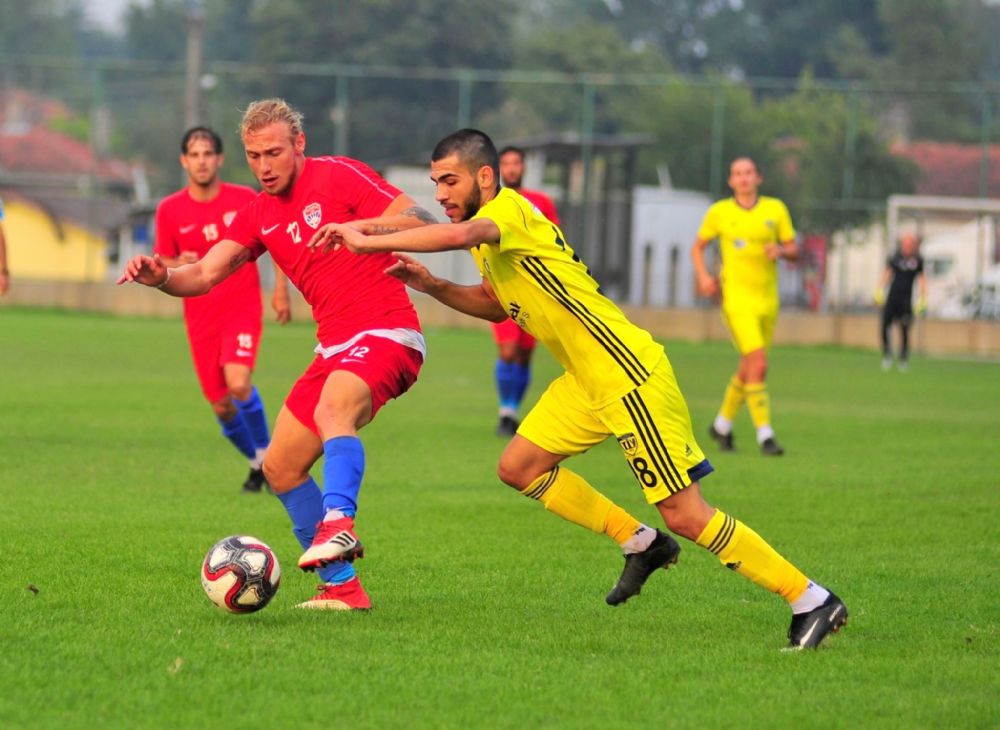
[542, 488]
[725, 534]
[548, 281]
[655, 445]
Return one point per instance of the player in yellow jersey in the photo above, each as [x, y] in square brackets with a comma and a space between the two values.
[753, 231]
[617, 382]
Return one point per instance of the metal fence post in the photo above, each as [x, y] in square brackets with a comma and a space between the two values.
[341, 115]
[847, 187]
[716, 163]
[986, 121]
[586, 154]
[464, 99]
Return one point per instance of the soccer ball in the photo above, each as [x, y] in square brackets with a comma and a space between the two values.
[240, 574]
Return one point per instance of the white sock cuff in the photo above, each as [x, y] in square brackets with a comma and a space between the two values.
[641, 539]
[812, 598]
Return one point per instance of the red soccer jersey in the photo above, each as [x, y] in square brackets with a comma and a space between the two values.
[185, 224]
[543, 202]
[348, 293]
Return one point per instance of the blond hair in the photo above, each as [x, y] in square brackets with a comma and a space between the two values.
[269, 111]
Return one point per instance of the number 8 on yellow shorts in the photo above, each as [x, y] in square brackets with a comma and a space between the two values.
[652, 425]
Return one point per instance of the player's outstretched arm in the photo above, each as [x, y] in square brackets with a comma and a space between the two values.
[425, 239]
[401, 214]
[476, 301]
[185, 257]
[190, 280]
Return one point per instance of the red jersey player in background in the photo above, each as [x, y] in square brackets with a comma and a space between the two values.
[224, 325]
[514, 345]
[370, 345]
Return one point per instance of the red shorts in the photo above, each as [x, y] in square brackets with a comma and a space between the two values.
[508, 331]
[236, 342]
[388, 368]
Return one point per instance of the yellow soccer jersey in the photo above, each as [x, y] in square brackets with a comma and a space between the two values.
[748, 277]
[550, 293]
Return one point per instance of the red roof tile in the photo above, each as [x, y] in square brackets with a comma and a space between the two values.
[949, 168]
[40, 150]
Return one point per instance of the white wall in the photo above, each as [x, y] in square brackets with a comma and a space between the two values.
[458, 266]
[664, 225]
[956, 255]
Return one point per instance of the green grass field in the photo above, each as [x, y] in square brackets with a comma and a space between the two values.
[489, 612]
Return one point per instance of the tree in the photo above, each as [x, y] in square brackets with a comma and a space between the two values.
[576, 49]
[935, 43]
[784, 38]
[828, 184]
[681, 115]
[25, 24]
[402, 117]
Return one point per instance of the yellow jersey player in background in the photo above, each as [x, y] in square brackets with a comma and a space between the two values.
[617, 382]
[753, 231]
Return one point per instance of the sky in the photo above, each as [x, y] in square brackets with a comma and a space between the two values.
[106, 13]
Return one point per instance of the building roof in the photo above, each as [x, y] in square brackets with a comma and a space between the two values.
[60, 174]
[37, 151]
[950, 168]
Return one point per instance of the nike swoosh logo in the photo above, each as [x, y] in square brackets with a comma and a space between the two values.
[831, 619]
[187, 229]
[265, 231]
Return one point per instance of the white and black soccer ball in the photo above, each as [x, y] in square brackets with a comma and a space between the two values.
[240, 574]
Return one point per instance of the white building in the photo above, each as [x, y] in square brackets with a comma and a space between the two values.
[665, 223]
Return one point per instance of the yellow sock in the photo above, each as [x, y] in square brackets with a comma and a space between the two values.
[758, 403]
[572, 498]
[733, 399]
[741, 549]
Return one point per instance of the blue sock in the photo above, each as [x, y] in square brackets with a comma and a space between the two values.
[506, 375]
[236, 431]
[252, 410]
[343, 468]
[522, 378]
[304, 505]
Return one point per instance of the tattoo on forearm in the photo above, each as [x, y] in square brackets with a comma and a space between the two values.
[420, 214]
[380, 230]
[239, 259]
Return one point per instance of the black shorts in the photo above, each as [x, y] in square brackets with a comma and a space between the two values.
[897, 313]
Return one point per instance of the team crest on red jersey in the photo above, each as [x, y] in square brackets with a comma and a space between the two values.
[228, 216]
[313, 214]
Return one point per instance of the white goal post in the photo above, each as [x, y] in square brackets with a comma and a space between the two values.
[961, 250]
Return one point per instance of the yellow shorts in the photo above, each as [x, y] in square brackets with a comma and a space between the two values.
[652, 426]
[750, 330]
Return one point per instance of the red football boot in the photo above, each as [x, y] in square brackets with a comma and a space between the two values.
[335, 540]
[349, 596]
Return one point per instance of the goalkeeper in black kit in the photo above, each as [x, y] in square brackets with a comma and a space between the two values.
[895, 294]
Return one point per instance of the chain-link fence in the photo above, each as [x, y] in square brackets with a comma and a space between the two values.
[631, 160]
